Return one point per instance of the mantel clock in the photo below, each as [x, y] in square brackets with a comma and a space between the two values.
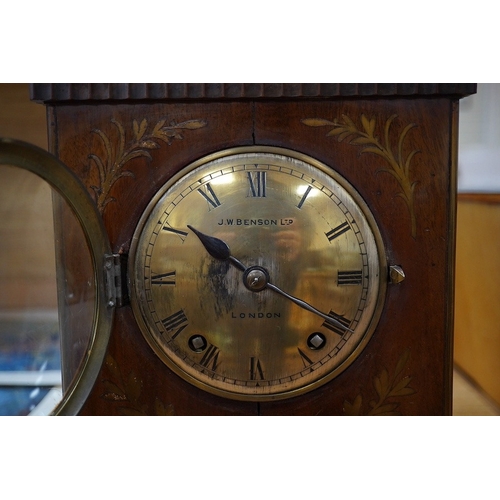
[274, 249]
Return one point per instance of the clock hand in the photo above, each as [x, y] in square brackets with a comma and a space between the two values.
[217, 248]
[256, 278]
[308, 307]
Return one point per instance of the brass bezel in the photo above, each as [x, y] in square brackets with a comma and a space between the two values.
[382, 284]
[59, 177]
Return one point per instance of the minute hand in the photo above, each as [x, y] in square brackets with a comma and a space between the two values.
[307, 307]
[219, 250]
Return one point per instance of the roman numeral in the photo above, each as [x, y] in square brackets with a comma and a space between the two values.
[163, 279]
[208, 193]
[349, 277]
[210, 359]
[334, 328]
[307, 362]
[178, 232]
[306, 194]
[175, 323]
[256, 371]
[257, 182]
[337, 231]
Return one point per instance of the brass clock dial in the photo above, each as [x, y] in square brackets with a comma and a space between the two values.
[257, 273]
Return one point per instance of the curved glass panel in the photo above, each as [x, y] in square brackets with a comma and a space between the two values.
[56, 308]
[76, 289]
[42, 294]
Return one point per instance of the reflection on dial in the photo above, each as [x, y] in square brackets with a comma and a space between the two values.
[270, 210]
[256, 278]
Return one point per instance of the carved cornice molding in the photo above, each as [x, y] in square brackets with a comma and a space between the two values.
[66, 92]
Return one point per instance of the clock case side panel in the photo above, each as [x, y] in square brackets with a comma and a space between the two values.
[406, 367]
[155, 140]
[452, 249]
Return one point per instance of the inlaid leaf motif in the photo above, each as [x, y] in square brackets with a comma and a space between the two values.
[402, 362]
[139, 130]
[401, 388]
[114, 392]
[317, 122]
[164, 410]
[387, 387]
[119, 152]
[126, 392]
[113, 367]
[399, 166]
[354, 408]
[368, 125]
[191, 124]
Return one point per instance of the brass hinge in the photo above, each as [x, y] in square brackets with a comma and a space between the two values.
[115, 275]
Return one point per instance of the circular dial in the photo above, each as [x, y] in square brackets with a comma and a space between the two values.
[257, 273]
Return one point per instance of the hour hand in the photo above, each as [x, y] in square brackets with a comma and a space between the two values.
[217, 248]
[255, 278]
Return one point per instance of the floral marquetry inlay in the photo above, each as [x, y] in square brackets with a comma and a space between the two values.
[398, 164]
[119, 152]
[126, 391]
[388, 388]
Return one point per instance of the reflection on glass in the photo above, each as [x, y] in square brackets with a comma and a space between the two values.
[34, 309]
[75, 289]
[30, 361]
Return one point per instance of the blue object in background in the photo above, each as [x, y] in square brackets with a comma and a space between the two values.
[34, 347]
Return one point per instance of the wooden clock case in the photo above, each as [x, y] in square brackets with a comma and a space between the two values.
[395, 143]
